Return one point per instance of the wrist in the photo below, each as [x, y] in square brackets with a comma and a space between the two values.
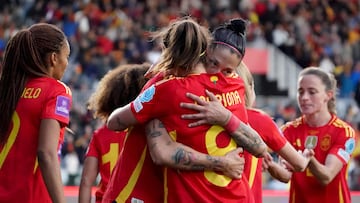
[233, 124]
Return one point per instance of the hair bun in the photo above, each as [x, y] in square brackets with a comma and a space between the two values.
[238, 25]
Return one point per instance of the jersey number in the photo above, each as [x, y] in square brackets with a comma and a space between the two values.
[112, 156]
[214, 150]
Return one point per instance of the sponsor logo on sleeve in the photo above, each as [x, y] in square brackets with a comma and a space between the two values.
[146, 96]
[62, 107]
[344, 155]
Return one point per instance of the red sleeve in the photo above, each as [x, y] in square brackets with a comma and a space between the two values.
[58, 103]
[154, 102]
[344, 145]
[267, 129]
[92, 149]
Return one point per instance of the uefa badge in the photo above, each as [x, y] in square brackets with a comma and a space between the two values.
[311, 142]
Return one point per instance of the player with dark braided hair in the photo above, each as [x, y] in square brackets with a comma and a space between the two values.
[35, 108]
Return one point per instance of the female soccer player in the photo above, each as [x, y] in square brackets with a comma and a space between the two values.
[35, 109]
[267, 129]
[117, 88]
[180, 58]
[331, 139]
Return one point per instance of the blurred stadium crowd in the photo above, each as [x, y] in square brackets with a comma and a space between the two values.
[106, 33]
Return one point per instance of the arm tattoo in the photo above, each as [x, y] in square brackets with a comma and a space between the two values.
[152, 131]
[247, 138]
[185, 158]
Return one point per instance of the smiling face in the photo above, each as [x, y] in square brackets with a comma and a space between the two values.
[312, 95]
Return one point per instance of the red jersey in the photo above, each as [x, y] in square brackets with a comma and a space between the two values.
[336, 138]
[274, 139]
[196, 186]
[105, 145]
[135, 169]
[20, 175]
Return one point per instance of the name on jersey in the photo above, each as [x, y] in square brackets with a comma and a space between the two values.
[31, 93]
[226, 98]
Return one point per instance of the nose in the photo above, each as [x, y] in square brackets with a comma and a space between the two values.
[304, 96]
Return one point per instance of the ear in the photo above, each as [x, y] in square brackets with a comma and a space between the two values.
[53, 59]
[330, 94]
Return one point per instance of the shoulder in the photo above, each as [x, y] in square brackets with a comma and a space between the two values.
[293, 124]
[258, 113]
[52, 84]
[342, 125]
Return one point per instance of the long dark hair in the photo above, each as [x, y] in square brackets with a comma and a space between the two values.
[26, 55]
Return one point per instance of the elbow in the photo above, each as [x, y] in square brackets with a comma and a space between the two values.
[284, 179]
[157, 157]
[299, 167]
[114, 126]
[110, 124]
[44, 157]
[325, 180]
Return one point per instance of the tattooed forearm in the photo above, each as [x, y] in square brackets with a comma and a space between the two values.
[165, 151]
[153, 130]
[249, 139]
[187, 160]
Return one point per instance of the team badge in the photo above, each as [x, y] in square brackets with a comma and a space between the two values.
[146, 96]
[350, 145]
[325, 142]
[311, 142]
[214, 79]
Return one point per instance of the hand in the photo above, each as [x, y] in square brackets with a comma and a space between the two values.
[234, 164]
[308, 153]
[210, 112]
[267, 161]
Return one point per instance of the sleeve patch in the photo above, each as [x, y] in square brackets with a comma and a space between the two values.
[350, 145]
[344, 155]
[62, 106]
[146, 96]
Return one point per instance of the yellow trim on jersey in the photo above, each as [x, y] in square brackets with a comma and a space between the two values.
[293, 197]
[11, 140]
[254, 163]
[341, 198]
[67, 89]
[166, 190]
[349, 131]
[36, 165]
[125, 193]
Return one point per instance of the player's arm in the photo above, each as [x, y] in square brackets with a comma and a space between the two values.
[88, 177]
[277, 170]
[121, 118]
[298, 161]
[47, 155]
[213, 112]
[165, 151]
[325, 173]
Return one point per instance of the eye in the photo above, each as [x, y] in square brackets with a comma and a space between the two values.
[227, 72]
